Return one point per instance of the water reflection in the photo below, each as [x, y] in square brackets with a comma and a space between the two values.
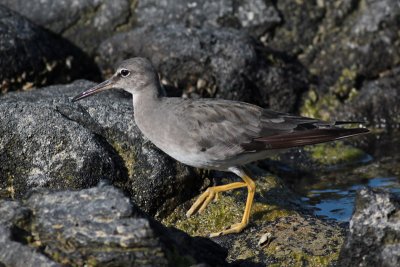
[330, 190]
[337, 203]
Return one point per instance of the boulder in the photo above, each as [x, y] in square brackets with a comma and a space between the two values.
[334, 38]
[301, 20]
[212, 62]
[48, 141]
[13, 252]
[345, 46]
[33, 57]
[255, 16]
[84, 23]
[373, 239]
[97, 226]
[377, 103]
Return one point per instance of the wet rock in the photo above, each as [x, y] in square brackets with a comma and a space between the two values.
[85, 23]
[374, 234]
[206, 62]
[253, 16]
[48, 141]
[31, 56]
[97, 226]
[295, 237]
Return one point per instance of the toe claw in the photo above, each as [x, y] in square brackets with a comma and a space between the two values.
[235, 228]
[216, 198]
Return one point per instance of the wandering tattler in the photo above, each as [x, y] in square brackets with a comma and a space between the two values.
[213, 133]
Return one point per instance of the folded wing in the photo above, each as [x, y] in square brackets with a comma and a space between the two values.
[232, 128]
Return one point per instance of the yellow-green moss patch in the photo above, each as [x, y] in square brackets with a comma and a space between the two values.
[335, 153]
[322, 106]
[229, 208]
[127, 155]
[222, 213]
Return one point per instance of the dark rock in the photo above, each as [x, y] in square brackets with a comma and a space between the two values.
[97, 226]
[85, 23]
[47, 141]
[332, 38]
[31, 56]
[367, 43]
[344, 45]
[206, 62]
[40, 147]
[374, 234]
[253, 16]
[300, 24]
[12, 251]
[377, 103]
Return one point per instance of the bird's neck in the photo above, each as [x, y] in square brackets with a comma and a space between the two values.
[148, 96]
[146, 106]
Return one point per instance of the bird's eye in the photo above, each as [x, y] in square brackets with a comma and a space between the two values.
[125, 72]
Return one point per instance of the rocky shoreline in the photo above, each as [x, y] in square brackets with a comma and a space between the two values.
[80, 185]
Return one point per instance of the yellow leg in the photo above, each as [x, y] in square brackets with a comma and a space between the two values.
[211, 192]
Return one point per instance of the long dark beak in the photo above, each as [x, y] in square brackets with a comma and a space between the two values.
[94, 90]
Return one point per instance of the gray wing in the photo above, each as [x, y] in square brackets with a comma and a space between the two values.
[230, 128]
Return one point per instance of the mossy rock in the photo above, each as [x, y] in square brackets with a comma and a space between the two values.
[228, 208]
[335, 153]
[297, 239]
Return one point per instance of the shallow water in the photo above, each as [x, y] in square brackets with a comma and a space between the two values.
[337, 203]
[331, 192]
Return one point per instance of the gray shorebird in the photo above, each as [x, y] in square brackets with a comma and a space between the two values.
[214, 134]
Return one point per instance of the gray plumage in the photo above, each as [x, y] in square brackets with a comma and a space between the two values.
[213, 133]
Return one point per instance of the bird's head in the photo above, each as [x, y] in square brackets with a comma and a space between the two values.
[132, 75]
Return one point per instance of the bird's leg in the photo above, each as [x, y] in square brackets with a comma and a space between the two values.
[205, 198]
[251, 188]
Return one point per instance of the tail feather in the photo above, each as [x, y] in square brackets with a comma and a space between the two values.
[348, 122]
[308, 137]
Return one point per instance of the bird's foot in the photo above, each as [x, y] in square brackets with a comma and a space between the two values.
[235, 228]
[216, 198]
[202, 201]
[211, 193]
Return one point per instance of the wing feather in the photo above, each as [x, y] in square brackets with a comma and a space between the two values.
[232, 128]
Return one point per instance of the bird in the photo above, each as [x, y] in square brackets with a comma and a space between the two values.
[214, 134]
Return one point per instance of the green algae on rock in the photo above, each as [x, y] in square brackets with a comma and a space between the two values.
[296, 238]
[323, 105]
[228, 209]
[335, 153]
